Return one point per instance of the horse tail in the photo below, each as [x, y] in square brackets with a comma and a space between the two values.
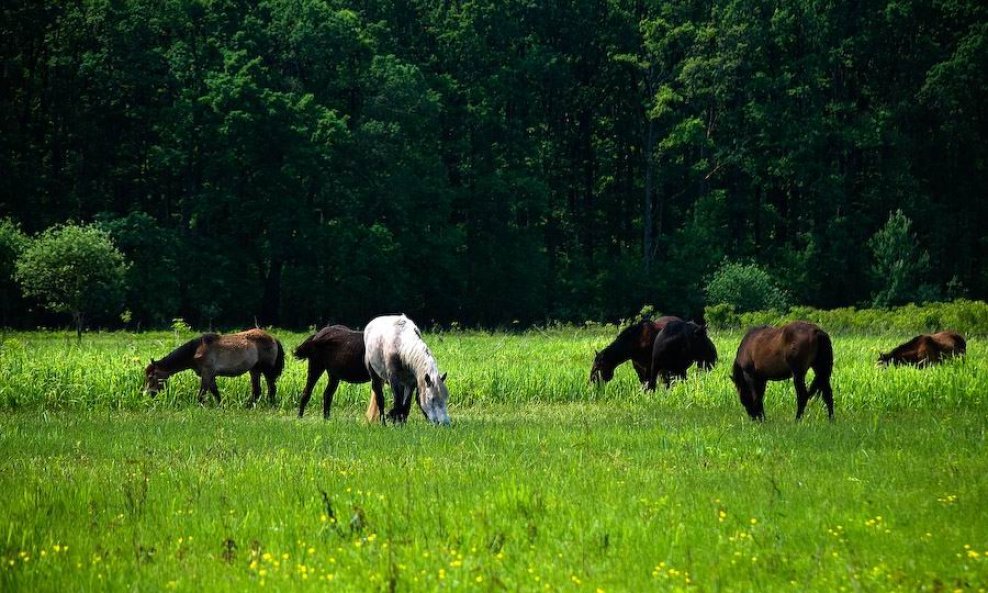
[279, 361]
[304, 350]
[823, 366]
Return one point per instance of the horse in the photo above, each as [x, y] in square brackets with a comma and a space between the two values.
[213, 355]
[634, 343]
[926, 349]
[337, 351]
[676, 348]
[396, 354]
[777, 353]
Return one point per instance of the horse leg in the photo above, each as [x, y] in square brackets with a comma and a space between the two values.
[327, 396]
[802, 395]
[203, 388]
[760, 385]
[214, 389]
[270, 378]
[255, 387]
[310, 383]
[399, 411]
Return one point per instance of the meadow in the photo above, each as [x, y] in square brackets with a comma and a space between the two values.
[543, 483]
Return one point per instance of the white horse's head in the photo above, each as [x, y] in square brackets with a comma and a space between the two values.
[433, 396]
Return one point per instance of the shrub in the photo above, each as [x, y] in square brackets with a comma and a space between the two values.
[73, 269]
[746, 287]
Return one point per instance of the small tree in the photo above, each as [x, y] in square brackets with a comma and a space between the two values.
[73, 269]
[12, 244]
[746, 287]
[898, 265]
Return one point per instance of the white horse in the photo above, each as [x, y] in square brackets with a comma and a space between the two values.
[396, 354]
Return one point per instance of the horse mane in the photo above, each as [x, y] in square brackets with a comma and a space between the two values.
[182, 356]
[414, 352]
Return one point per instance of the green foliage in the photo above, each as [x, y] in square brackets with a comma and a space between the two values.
[12, 244]
[967, 317]
[517, 160]
[898, 266]
[74, 269]
[745, 287]
[153, 291]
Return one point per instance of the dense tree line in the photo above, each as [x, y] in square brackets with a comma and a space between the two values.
[300, 161]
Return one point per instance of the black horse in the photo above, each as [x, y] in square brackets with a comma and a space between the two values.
[634, 343]
[676, 348]
[337, 351]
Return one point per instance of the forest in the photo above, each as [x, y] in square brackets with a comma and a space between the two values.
[491, 163]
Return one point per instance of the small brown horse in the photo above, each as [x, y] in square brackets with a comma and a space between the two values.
[926, 349]
[778, 353]
[337, 351]
[634, 343]
[213, 355]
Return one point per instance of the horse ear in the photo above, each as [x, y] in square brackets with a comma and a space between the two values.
[442, 378]
[596, 352]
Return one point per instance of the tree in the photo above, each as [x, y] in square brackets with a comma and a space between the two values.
[12, 244]
[746, 287]
[899, 265]
[73, 269]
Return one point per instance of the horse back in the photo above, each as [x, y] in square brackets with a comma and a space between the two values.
[341, 351]
[235, 354]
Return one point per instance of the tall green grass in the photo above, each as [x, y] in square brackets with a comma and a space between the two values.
[543, 483]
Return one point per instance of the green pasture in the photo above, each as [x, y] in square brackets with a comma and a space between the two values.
[542, 483]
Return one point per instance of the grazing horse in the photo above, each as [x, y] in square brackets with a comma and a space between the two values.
[337, 351]
[926, 349]
[396, 354]
[634, 343]
[777, 353]
[676, 348]
[214, 355]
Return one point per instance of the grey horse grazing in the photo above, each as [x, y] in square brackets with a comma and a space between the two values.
[396, 355]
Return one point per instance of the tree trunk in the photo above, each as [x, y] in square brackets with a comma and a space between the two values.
[77, 317]
[648, 239]
[271, 301]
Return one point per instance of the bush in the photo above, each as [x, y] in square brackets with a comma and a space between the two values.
[73, 269]
[967, 317]
[745, 287]
[12, 244]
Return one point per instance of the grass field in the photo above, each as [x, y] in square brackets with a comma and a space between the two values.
[541, 484]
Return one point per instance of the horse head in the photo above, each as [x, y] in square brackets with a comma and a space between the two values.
[601, 371]
[154, 378]
[433, 397]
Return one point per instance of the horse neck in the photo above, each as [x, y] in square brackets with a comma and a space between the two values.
[618, 352]
[180, 359]
[417, 357]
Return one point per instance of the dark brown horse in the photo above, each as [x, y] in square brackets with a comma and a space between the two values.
[926, 349]
[778, 353]
[337, 351]
[212, 355]
[634, 343]
[676, 348]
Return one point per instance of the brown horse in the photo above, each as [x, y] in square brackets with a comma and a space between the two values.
[926, 349]
[634, 343]
[337, 351]
[778, 353]
[213, 355]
